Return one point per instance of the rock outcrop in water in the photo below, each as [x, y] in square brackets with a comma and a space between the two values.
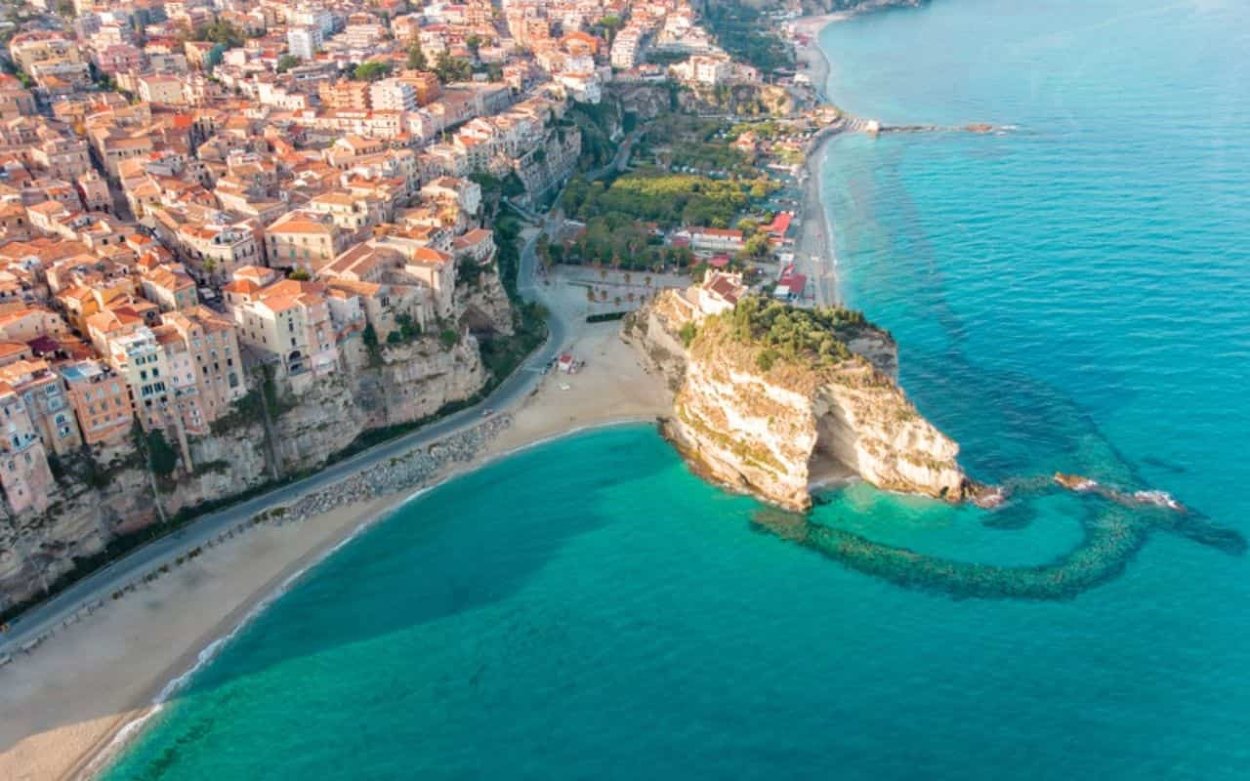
[776, 400]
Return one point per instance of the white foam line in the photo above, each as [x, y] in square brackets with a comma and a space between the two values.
[131, 730]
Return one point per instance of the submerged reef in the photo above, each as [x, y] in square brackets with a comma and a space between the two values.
[1113, 535]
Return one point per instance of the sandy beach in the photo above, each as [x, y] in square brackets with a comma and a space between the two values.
[811, 58]
[814, 245]
[66, 703]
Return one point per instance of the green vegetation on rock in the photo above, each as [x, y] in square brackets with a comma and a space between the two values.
[785, 333]
[666, 199]
[747, 36]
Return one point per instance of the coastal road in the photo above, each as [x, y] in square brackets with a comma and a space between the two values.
[99, 585]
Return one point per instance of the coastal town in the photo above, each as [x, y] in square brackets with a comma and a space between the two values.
[223, 225]
[247, 246]
[270, 269]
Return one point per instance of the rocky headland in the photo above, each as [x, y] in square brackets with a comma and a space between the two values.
[777, 401]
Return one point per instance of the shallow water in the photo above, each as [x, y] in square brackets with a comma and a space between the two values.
[1069, 296]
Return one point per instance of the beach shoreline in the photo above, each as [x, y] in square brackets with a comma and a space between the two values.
[171, 681]
[82, 697]
[815, 240]
[87, 695]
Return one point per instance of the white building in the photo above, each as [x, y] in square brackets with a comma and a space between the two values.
[625, 49]
[304, 42]
[392, 95]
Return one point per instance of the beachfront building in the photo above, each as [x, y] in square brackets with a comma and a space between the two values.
[215, 367]
[101, 403]
[286, 322]
[46, 404]
[712, 239]
[25, 475]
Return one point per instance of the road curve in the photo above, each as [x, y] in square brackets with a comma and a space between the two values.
[50, 614]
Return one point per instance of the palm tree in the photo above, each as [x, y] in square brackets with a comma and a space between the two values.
[647, 280]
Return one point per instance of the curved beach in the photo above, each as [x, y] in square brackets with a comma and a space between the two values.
[67, 701]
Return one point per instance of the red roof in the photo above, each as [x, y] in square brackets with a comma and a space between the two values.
[780, 224]
[719, 261]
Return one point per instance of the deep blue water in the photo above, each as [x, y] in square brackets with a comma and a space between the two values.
[1072, 295]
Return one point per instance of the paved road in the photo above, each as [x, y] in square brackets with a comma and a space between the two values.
[514, 389]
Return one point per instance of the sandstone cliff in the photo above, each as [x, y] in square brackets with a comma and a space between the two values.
[98, 501]
[753, 416]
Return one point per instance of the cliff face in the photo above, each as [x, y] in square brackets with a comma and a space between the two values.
[485, 305]
[97, 502]
[782, 430]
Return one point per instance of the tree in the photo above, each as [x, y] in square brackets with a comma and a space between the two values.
[161, 457]
[370, 337]
[416, 57]
[223, 32]
[688, 332]
[371, 71]
[286, 62]
[610, 25]
[300, 275]
[474, 43]
[756, 247]
[450, 69]
[542, 248]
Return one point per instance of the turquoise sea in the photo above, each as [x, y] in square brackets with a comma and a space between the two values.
[1071, 295]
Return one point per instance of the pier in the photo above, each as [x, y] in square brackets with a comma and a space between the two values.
[873, 127]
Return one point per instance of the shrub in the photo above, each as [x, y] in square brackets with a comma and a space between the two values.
[688, 332]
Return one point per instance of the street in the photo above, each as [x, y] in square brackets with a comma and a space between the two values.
[37, 621]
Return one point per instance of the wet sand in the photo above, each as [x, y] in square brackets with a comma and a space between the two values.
[66, 703]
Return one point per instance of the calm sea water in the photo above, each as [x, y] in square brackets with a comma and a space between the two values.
[1073, 295]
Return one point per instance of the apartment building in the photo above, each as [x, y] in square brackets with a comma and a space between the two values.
[25, 475]
[210, 341]
[286, 322]
[304, 42]
[303, 239]
[101, 402]
[47, 406]
[393, 94]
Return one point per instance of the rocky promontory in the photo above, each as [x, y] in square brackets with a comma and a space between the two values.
[777, 400]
